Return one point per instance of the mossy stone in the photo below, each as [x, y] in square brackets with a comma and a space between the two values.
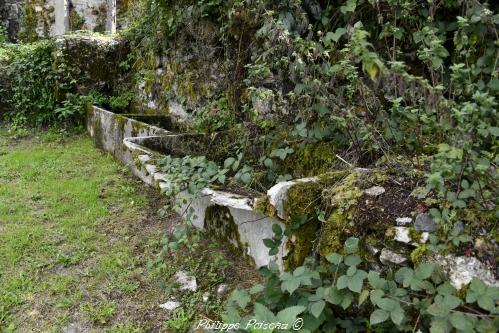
[302, 245]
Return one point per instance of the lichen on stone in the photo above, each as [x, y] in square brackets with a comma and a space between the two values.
[341, 200]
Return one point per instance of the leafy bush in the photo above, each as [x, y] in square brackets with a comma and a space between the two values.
[216, 116]
[38, 90]
[32, 84]
[120, 102]
[341, 294]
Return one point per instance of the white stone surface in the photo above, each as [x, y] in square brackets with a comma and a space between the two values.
[252, 226]
[170, 305]
[402, 234]
[462, 270]
[61, 19]
[113, 133]
[186, 281]
[111, 16]
[375, 191]
[228, 199]
[144, 158]
[389, 257]
[402, 221]
[150, 168]
[222, 289]
[177, 110]
[424, 222]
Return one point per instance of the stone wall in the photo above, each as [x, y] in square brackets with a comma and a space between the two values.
[182, 77]
[31, 19]
[94, 61]
[92, 15]
[10, 17]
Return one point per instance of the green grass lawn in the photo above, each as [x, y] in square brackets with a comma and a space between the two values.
[75, 234]
[81, 240]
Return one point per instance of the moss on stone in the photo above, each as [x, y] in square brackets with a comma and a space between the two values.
[262, 205]
[30, 21]
[76, 21]
[334, 233]
[418, 254]
[415, 235]
[390, 232]
[313, 159]
[341, 199]
[100, 14]
[220, 223]
[301, 245]
[343, 195]
[302, 199]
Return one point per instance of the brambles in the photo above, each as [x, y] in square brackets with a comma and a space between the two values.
[341, 294]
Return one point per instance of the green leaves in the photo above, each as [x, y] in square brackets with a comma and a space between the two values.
[356, 281]
[416, 279]
[349, 6]
[424, 271]
[443, 305]
[351, 245]
[397, 301]
[486, 297]
[290, 284]
[334, 36]
[244, 175]
[461, 322]
[388, 308]
[301, 277]
[379, 316]
[241, 297]
[375, 280]
[289, 314]
[334, 258]
[352, 260]
[282, 153]
[317, 307]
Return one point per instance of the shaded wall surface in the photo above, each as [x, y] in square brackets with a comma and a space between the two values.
[25, 19]
[10, 17]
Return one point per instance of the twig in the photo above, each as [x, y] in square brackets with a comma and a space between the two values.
[343, 160]
[416, 324]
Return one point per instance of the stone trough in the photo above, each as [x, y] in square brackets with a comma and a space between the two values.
[139, 140]
[132, 140]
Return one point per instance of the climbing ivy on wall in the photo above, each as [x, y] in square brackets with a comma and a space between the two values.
[38, 92]
[371, 79]
[32, 81]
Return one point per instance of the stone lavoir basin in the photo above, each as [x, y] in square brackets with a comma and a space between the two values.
[136, 140]
[245, 220]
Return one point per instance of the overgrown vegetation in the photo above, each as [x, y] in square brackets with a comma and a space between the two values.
[404, 300]
[357, 76]
[400, 85]
[316, 86]
[34, 93]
